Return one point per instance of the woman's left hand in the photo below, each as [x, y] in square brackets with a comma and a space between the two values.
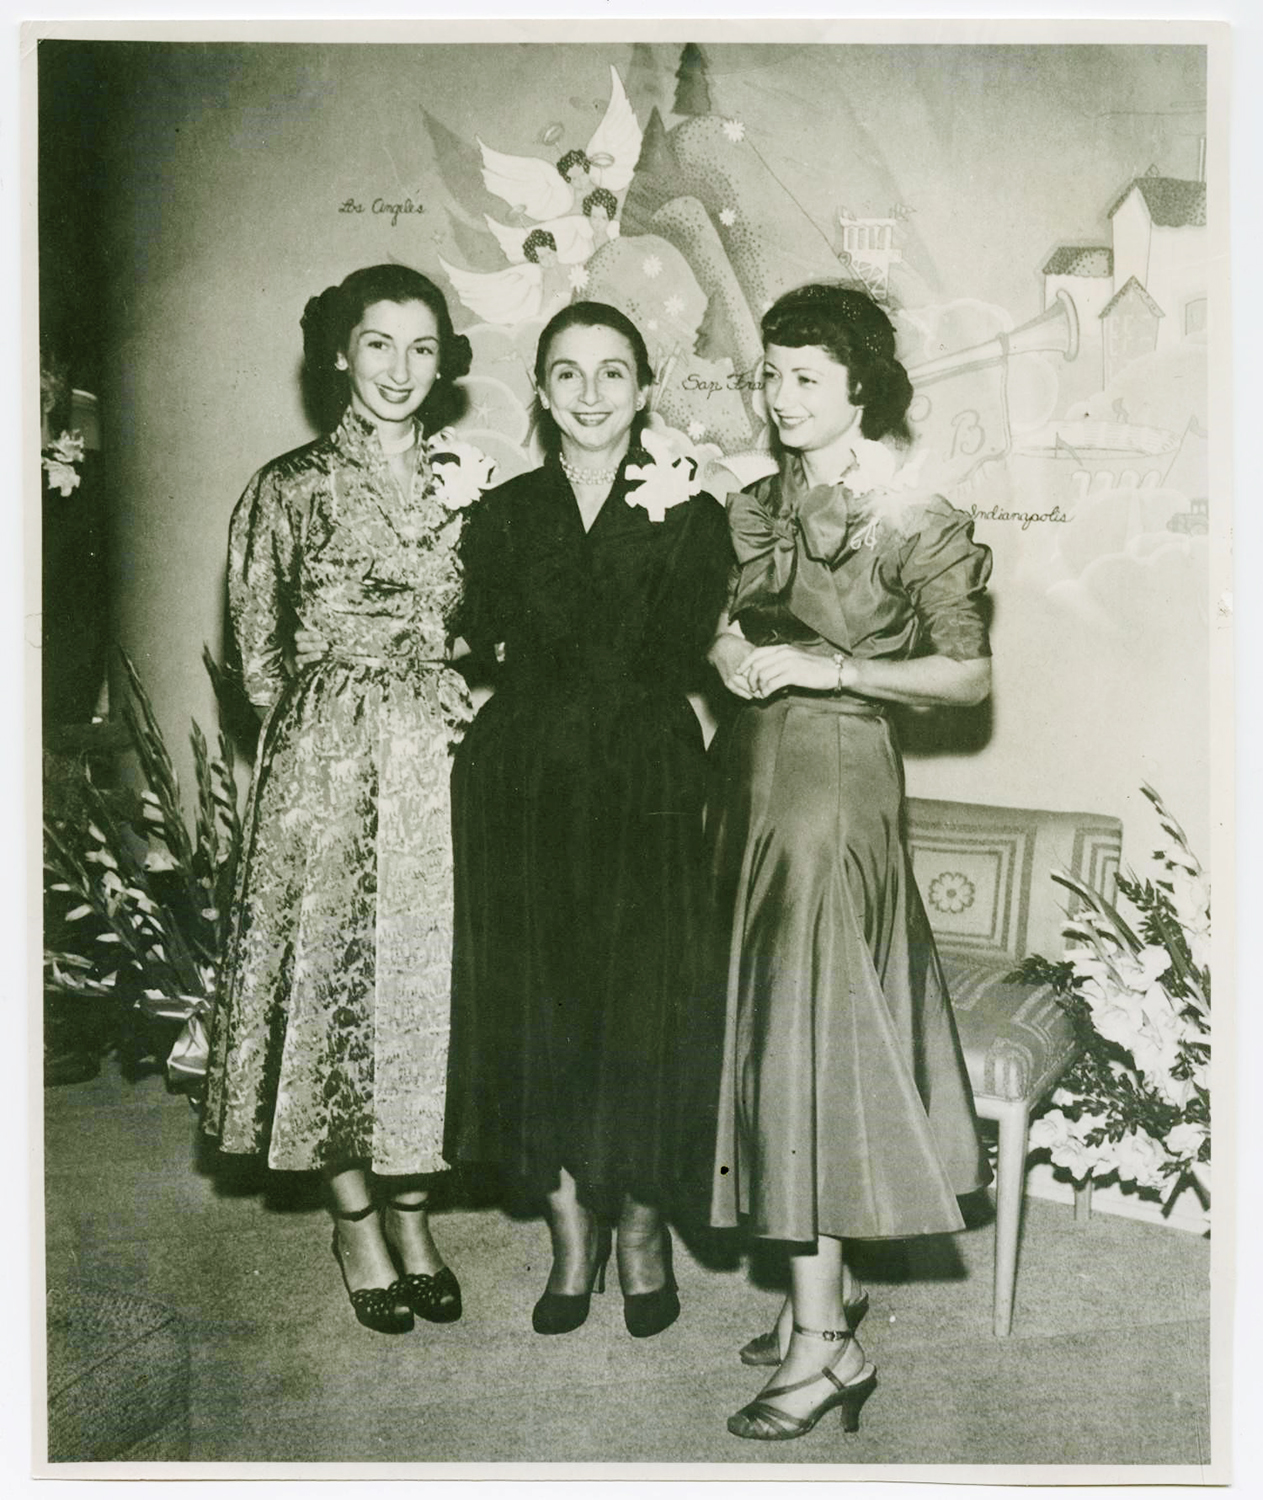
[768, 669]
[310, 647]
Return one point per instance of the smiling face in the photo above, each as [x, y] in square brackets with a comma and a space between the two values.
[590, 388]
[392, 360]
[807, 394]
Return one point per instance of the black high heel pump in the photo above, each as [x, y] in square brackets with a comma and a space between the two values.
[648, 1313]
[559, 1312]
[435, 1297]
[384, 1309]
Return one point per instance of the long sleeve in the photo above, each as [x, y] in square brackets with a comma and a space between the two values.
[262, 573]
[481, 617]
[702, 586]
[945, 573]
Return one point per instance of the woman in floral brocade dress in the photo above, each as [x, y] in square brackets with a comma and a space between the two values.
[329, 1046]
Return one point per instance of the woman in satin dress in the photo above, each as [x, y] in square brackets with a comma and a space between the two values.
[845, 1110]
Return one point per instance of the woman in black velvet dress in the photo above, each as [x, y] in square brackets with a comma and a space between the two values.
[580, 1039]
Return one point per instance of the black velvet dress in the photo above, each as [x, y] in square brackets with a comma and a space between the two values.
[581, 1036]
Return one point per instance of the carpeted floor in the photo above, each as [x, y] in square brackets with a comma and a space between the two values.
[1107, 1363]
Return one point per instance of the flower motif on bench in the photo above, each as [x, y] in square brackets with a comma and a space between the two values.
[951, 892]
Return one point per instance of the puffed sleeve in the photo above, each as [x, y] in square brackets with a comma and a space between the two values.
[481, 616]
[945, 573]
[262, 574]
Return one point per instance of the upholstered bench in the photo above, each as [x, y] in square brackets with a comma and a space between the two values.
[985, 875]
[118, 1378]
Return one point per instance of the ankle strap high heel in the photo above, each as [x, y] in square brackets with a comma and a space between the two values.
[767, 1423]
[765, 1348]
[383, 1309]
[436, 1296]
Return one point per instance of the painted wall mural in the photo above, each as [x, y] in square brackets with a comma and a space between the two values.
[1038, 220]
[1091, 411]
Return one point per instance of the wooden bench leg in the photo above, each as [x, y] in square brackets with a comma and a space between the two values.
[1014, 1121]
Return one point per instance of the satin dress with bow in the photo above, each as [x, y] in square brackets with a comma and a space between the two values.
[329, 1042]
[844, 1106]
[581, 1036]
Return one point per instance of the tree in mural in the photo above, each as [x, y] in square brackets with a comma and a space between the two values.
[646, 80]
[692, 94]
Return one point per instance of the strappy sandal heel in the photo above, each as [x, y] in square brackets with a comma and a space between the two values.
[765, 1349]
[767, 1423]
[384, 1309]
[435, 1297]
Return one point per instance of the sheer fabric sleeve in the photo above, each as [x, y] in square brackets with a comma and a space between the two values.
[945, 573]
[483, 612]
[262, 577]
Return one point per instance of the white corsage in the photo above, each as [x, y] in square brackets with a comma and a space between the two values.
[877, 466]
[60, 460]
[672, 475]
[459, 471]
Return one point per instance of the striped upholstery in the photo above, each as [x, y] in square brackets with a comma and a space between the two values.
[1016, 1039]
[985, 875]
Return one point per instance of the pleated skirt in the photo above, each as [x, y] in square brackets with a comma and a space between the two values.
[844, 1104]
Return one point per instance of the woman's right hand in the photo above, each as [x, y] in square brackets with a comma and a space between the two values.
[728, 654]
[310, 647]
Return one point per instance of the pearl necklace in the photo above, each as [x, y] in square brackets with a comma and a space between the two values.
[588, 476]
[393, 446]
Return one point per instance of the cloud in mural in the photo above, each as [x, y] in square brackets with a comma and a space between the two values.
[1151, 596]
[1164, 389]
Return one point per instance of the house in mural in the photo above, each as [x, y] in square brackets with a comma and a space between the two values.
[1129, 324]
[1159, 232]
[1086, 274]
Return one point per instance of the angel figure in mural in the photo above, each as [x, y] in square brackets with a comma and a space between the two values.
[539, 191]
[536, 286]
[576, 236]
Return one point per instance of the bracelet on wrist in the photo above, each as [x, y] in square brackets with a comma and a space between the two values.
[846, 672]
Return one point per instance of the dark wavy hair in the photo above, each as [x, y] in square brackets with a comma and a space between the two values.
[601, 198]
[587, 315]
[327, 323]
[535, 242]
[572, 159]
[852, 329]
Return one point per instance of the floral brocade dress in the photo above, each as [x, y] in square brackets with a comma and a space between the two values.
[845, 1107]
[329, 1044]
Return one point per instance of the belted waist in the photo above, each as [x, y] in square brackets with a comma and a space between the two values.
[398, 663]
[844, 703]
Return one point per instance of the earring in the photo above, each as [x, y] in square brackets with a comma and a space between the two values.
[543, 401]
